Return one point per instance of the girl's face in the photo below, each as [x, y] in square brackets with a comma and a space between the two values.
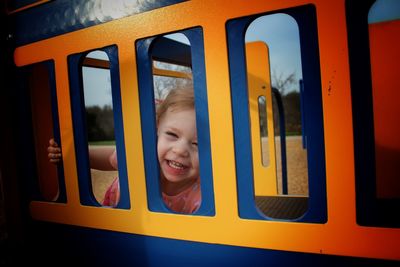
[177, 145]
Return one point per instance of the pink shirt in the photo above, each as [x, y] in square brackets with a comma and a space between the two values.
[187, 201]
[111, 197]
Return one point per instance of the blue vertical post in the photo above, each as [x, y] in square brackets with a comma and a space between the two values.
[282, 132]
[303, 119]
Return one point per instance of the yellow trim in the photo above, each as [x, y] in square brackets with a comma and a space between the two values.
[171, 73]
[96, 63]
[341, 235]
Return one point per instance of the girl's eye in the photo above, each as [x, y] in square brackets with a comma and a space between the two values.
[172, 134]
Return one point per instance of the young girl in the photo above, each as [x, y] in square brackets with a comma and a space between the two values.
[176, 150]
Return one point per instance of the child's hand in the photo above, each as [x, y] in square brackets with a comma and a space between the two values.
[54, 152]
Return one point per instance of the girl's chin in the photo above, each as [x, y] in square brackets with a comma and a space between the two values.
[172, 178]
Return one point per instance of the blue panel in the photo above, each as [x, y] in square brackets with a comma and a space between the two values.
[303, 120]
[241, 118]
[195, 37]
[171, 51]
[146, 93]
[112, 53]
[80, 128]
[148, 117]
[62, 16]
[51, 244]
[282, 132]
[306, 19]
[313, 112]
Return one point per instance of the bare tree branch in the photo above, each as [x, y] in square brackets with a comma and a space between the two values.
[281, 81]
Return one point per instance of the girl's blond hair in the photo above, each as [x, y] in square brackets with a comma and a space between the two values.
[181, 98]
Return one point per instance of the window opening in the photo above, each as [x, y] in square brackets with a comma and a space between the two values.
[169, 64]
[45, 126]
[177, 148]
[384, 26]
[100, 124]
[274, 75]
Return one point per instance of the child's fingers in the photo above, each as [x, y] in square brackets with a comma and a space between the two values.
[54, 160]
[54, 150]
[53, 147]
[52, 142]
[54, 155]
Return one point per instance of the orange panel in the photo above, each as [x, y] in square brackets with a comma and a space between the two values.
[340, 235]
[259, 83]
[43, 130]
[385, 57]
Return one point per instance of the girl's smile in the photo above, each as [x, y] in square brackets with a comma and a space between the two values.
[177, 146]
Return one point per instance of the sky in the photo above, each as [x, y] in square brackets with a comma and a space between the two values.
[97, 86]
[384, 10]
[279, 31]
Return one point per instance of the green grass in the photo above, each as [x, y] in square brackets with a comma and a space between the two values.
[292, 133]
[287, 134]
[102, 143]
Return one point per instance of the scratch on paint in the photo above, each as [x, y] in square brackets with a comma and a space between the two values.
[330, 82]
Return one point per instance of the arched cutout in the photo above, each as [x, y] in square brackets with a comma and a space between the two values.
[41, 83]
[274, 69]
[167, 49]
[97, 97]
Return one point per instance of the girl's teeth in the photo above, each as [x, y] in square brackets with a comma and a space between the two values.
[175, 164]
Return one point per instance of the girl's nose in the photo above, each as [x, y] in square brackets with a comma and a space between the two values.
[181, 149]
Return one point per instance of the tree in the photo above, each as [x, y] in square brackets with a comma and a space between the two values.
[286, 85]
[164, 84]
[100, 123]
[283, 82]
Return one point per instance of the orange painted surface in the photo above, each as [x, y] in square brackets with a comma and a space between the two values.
[385, 69]
[339, 236]
[259, 84]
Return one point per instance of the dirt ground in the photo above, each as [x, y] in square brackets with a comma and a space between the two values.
[296, 158]
[296, 164]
